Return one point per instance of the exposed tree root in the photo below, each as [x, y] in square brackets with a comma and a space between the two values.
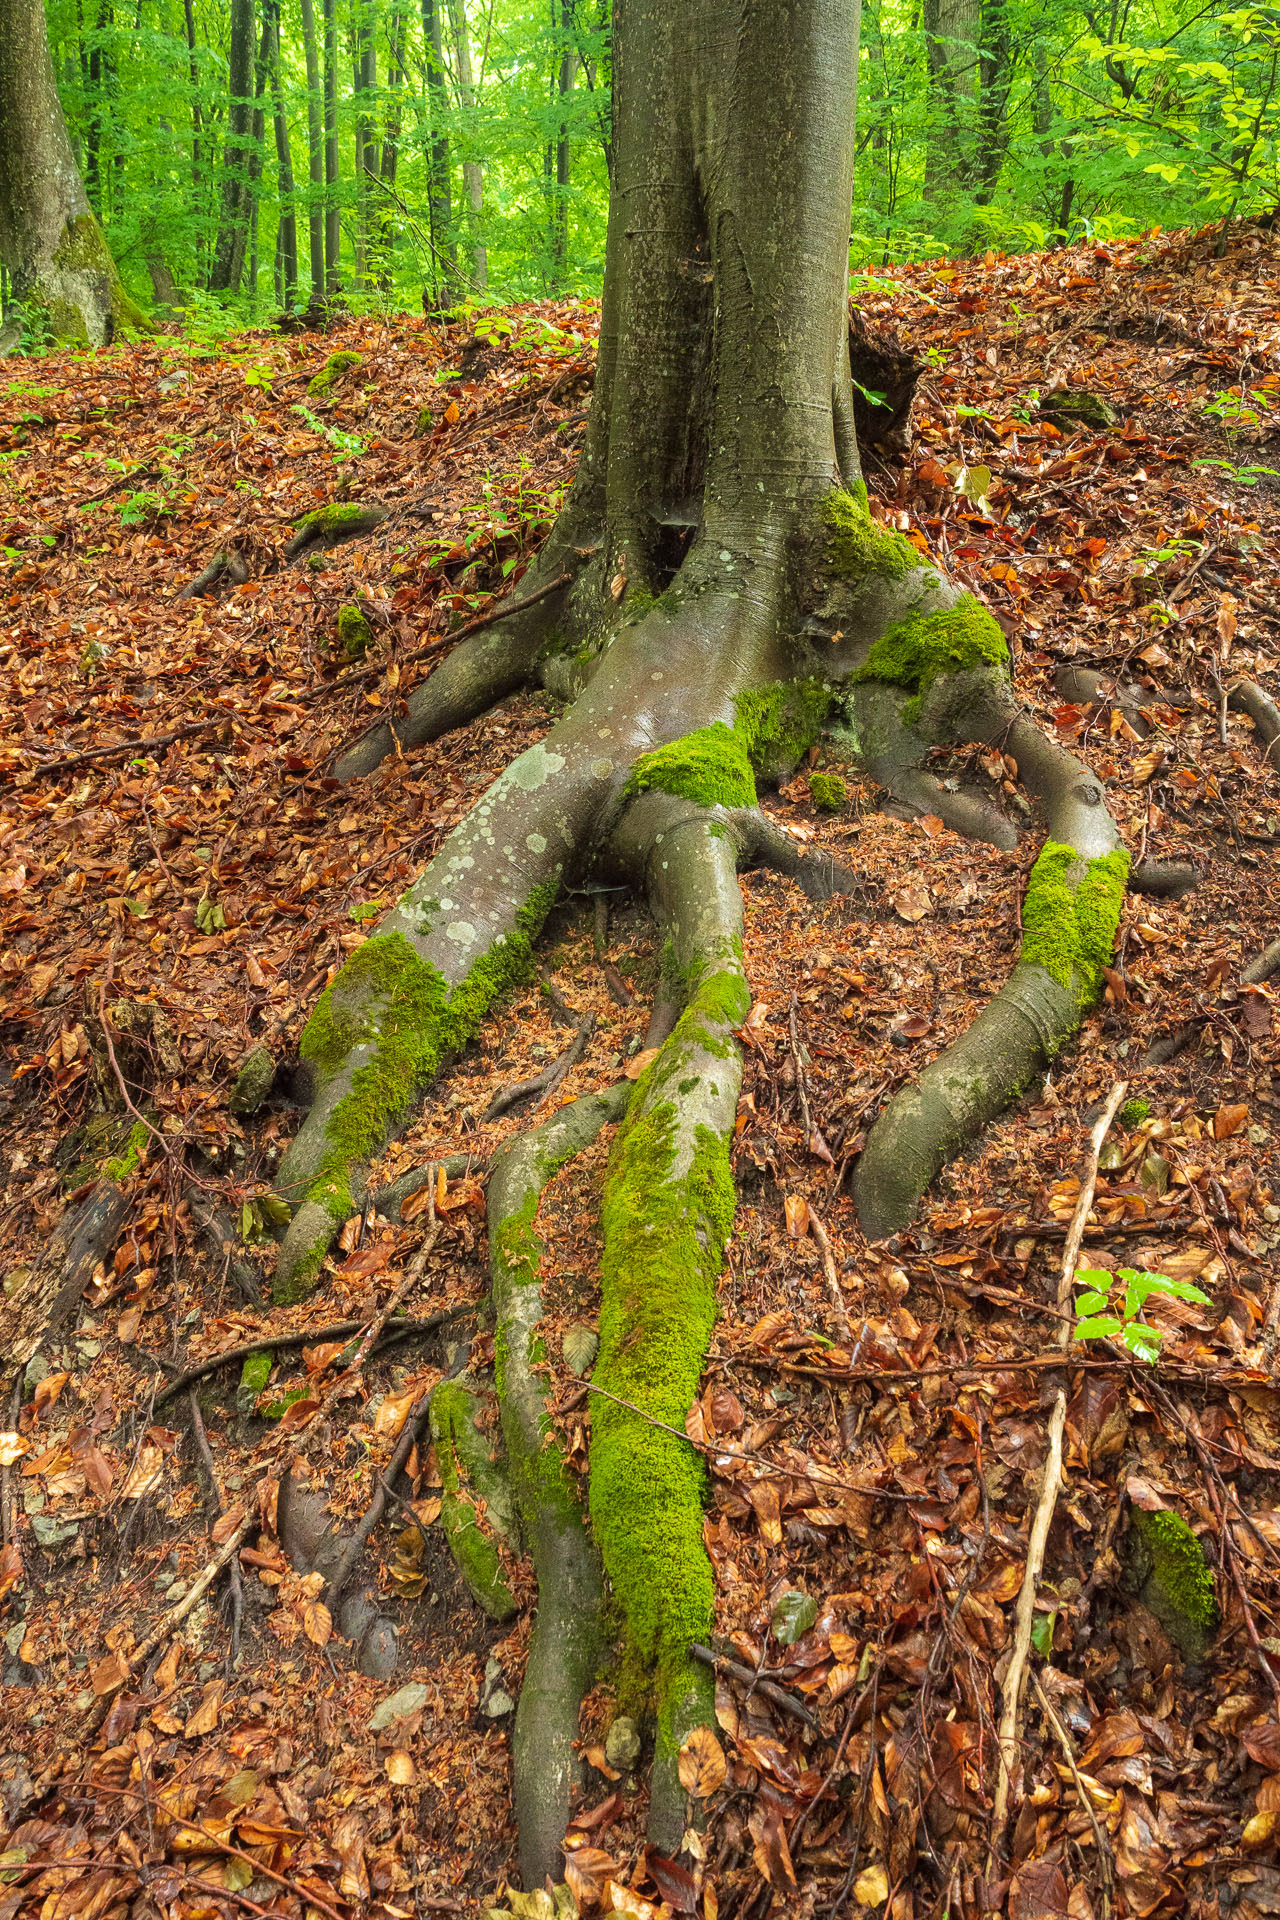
[330, 526]
[568, 1637]
[227, 564]
[40, 1303]
[1246, 696]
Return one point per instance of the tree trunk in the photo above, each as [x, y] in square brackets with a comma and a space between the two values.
[50, 242]
[439, 192]
[472, 172]
[332, 211]
[193, 76]
[233, 219]
[560, 215]
[951, 37]
[390, 157]
[715, 593]
[364, 85]
[288, 227]
[315, 151]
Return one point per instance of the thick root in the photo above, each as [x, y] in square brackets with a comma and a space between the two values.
[1246, 696]
[568, 1634]
[668, 1210]
[1070, 917]
[475, 1483]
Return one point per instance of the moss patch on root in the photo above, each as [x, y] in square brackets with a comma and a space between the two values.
[323, 383]
[828, 792]
[665, 1228]
[709, 766]
[389, 998]
[355, 635]
[1177, 1585]
[1069, 926]
[462, 1455]
[1134, 1112]
[915, 652]
[856, 547]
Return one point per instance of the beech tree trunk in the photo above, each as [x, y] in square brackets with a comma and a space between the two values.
[50, 242]
[439, 191]
[472, 171]
[715, 595]
[315, 152]
[237, 186]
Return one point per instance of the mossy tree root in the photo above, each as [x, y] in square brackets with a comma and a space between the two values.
[477, 1511]
[1246, 696]
[667, 1213]
[568, 1634]
[1070, 916]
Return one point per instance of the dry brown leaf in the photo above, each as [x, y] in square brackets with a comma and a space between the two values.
[1228, 1120]
[639, 1061]
[225, 1525]
[144, 1473]
[204, 1717]
[912, 901]
[701, 1764]
[111, 1672]
[48, 1390]
[317, 1623]
[587, 1871]
[871, 1888]
[393, 1413]
[12, 1447]
[796, 1208]
[400, 1768]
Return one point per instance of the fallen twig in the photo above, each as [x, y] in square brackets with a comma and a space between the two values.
[1011, 1698]
[547, 1079]
[502, 611]
[123, 746]
[235, 1580]
[308, 1337]
[1100, 1840]
[719, 1663]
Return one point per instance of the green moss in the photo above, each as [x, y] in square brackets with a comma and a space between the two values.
[664, 1236]
[331, 372]
[339, 516]
[915, 652]
[709, 766]
[457, 1445]
[387, 996]
[128, 1161]
[355, 635]
[1069, 927]
[779, 723]
[856, 546]
[1178, 1587]
[1134, 1112]
[303, 1274]
[828, 792]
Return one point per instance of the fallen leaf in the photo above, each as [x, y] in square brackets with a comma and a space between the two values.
[204, 1716]
[912, 901]
[393, 1413]
[636, 1065]
[12, 1447]
[1228, 1120]
[400, 1768]
[871, 1888]
[701, 1764]
[144, 1474]
[796, 1209]
[317, 1623]
[111, 1672]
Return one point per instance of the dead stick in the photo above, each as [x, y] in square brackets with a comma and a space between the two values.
[234, 1579]
[779, 1695]
[278, 1342]
[125, 746]
[843, 1331]
[1100, 1840]
[502, 611]
[1042, 1519]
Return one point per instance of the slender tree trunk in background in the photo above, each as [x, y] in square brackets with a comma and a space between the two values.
[258, 128]
[237, 153]
[1043, 122]
[50, 243]
[287, 245]
[388, 164]
[315, 150]
[364, 64]
[560, 231]
[995, 72]
[439, 186]
[332, 211]
[193, 76]
[93, 138]
[951, 37]
[472, 172]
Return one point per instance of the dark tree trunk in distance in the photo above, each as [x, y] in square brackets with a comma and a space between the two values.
[315, 151]
[50, 242]
[439, 191]
[332, 211]
[287, 242]
[233, 220]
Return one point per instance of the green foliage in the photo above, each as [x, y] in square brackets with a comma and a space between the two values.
[1094, 1321]
[1134, 1112]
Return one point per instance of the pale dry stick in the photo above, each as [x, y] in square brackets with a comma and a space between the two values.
[843, 1330]
[1100, 1840]
[1042, 1519]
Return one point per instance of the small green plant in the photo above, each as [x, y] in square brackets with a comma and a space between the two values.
[367, 910]
[1247, 476]
[1234, 409]
[1094, 1322]
[346, 446]
[146, 504]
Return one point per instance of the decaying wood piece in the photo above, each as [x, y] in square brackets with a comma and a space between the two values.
[40, 1303]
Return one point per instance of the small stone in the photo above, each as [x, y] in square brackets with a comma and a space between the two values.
[376, 1658]
[253, 1082]
[622, 1744]
[399, 1705]
[498, 1703]
[49, 1533]
[207, 1669]
[37, 1370]
[177, 1591]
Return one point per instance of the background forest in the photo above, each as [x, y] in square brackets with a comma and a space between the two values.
[452, 151]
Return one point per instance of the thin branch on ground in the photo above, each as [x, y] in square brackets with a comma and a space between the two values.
[720, 1663]
[1042, 1519]
[307, 1337]
[146, 745]
[234, 1577]
[1100, 1840]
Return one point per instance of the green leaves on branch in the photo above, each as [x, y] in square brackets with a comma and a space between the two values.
[1096, 1320]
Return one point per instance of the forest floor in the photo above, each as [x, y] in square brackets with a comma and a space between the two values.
[202, 889]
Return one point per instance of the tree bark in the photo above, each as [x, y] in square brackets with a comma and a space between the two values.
[332, 211]
[715, 592]
[951, 37]
[233, 220]
[288, 227]
[472, 171]
[439, 191]
[315, 151]
[51, 244]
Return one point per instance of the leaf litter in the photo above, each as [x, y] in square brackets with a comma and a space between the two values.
[872, 1418]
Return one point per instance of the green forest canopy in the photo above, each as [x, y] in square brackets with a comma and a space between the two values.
[470, 146]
